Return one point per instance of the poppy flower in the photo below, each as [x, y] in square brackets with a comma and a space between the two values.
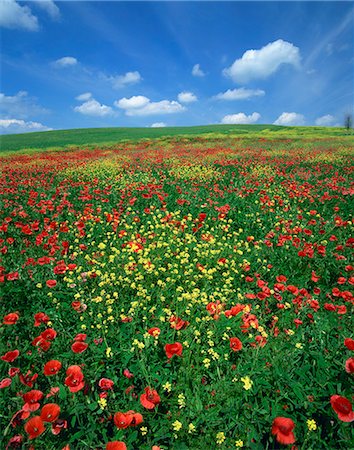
[349, 365]
[10, 356]
[15, 442]
[154, 331]
[10, 319]
[52, 367]
[127, 373]
[51, 283]
[282, 428]
[173, 349]
[13, 371]
[122, 420]
[150, 399]
[125, 420]
[5, 383]
[49, 334]
[235, 344]
[343, 408]
[27, 379]
[74, 379]
[58, 425]
[81, 337]
[105, 384]
[40, 318]
[349, 343]
[41, 343]
[50, 412]
[34, 427]
[79, 347]
[32, 399]
[116, 445]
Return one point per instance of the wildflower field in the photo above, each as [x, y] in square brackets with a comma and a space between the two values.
[179, 293]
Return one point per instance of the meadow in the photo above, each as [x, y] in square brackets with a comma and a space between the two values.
[178, 291]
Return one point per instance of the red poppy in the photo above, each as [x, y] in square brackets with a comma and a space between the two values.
[27, 379]
[58, 425]
[41, 343]
[127, 373]
[32, 399]
[81, 337]
[173, 349]
[10, 356]
[154, 331]
[49, 334]
[50, 412]
[343, 408]
[5, 383]
[10, 319]
[282, 428]
[52, 367]
[349, 343]
[235, 344]
[116, 445]
[122, 420]
[349, 365]
[34, 427]
[51, 283]
[40, 318]
[15, 442]
[79, 347]
[150, 399]
[74, 379]
[105, 384]
[13, 371]
[125, 420]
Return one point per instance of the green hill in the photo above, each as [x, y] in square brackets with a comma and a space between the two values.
[109, 136]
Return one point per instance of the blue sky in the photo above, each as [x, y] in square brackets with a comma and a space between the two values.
[96, 64]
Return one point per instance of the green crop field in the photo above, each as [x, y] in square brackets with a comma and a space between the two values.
[109, 136]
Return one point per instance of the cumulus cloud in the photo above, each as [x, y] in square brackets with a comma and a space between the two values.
[325, 121]
[241, 118]
[197, 71]
[66, 61]
[84, 97]
[129, 78]
[260, 64]
[139, 105]
[93, 108]
[49, 7]
[158, 125]
[13, 15]
[20, 105]
[187, 97]
[13, 126]
[239, 94]
[137, 101]
[290, 119]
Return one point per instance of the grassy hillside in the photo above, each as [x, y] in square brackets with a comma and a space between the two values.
[107, 136]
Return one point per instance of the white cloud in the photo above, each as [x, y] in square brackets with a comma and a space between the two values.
[187, 97]
[239, 94]
[138, 105]
[66, 61]
[120, 81]
[158, 125]
[93, 108]
[197, 71]
[84, 97]
[325, 121]
[290, 119]
[9, 126]
[13, 15]
[260, 64]
[49, 7]
[137, 101]
[241, 118]
[19, 105]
